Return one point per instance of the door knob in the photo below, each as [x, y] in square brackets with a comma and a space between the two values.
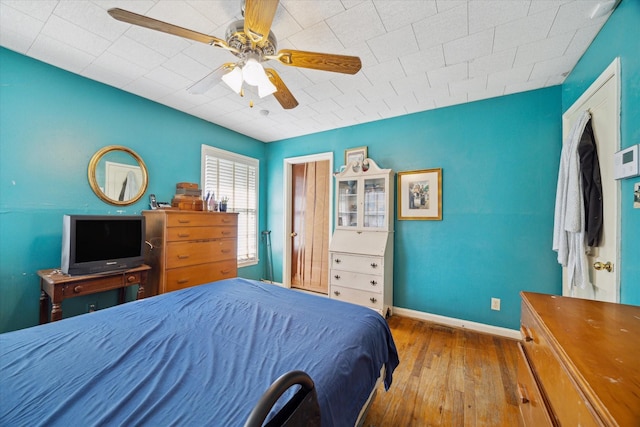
[603, 266]
[294, 234]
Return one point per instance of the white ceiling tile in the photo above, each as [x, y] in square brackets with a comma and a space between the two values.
[485, 94]
[186, 67]
[37, 9]
[356, 25]
[147, 88]
[475, 84]
[441, 28]
[318, 38]
[183, 15]
[74, 35]
[309, 12]
[492, 63]
[378, 91]
[509, 77]
[59, 54]
[581, 40]
[90, 17]
[165, 44]
[443, 5]
[19, 30]
[523, 87]
[393, 44]
[401, 103]
[350, 99]
[572, 16]
[424, 60]
[323, 91]
[375, 108]
[484, 14]
[219, 12]
[452, 100]
[134, 52]
[555, 66]
[168, 78]
[407, 85]
[394, 17]
[542, 50]
[469, 47]
[445, 75]
[348, 83]
[522, 31]
[382, 73]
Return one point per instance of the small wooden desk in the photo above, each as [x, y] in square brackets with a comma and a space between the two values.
[56, 286]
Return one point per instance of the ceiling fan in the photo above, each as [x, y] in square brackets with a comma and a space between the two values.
[253, 43]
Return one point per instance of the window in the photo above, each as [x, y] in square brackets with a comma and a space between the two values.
[227, 174]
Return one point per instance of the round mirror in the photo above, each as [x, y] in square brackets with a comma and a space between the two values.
[118, 175]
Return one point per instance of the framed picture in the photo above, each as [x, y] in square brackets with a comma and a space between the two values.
[353, 154]
[420, 194]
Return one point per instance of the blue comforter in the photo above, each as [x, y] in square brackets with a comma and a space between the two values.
[201, 356]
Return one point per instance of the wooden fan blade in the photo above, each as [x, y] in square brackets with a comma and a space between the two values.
[283, 95]
[258, 17]
[154, 24]
[319, 61]
[211, 79]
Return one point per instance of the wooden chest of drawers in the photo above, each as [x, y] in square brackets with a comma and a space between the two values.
[190, 248]
[579, 363]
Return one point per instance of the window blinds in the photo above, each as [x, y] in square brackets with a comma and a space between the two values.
[235, 177]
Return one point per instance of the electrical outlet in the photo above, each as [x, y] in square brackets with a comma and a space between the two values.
[91, 307]
[495, 304]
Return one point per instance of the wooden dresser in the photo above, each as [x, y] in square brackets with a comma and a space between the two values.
[190, 248]
[579, 362]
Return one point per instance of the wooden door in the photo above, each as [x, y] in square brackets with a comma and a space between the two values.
[602, 100]
[310, 225]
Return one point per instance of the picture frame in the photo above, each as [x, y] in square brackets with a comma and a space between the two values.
[420, 195]
[353, 154]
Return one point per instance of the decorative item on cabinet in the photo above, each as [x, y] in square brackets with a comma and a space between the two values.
[189, 248]
[361, 249]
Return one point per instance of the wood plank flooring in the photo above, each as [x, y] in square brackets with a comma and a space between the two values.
[447, 377]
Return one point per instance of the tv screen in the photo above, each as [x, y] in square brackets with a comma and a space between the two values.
[102, 243]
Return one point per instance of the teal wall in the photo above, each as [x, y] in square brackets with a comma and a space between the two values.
[500, 161]
[51, 123]
[619, 38]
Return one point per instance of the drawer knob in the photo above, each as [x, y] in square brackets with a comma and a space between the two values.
[373, 300]
[78, 289]
[526, 334]
[183, 234]
[373, 283]
[227, 271]
[374, 265]
[183, 256]
[337, 261]
[183, 281]
[337, 276]
[131, 279]
[336, 293]
[224, 233]
[184, 221]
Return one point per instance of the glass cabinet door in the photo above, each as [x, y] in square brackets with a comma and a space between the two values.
[374, 203]
[348, 203]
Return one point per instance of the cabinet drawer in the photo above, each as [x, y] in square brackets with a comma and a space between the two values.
[180, 278]
[201, 219]
[356, 296]
[567, 402]
[181, 254]
[532, 407]
[176, 234]
[358, 264]
[365, 282]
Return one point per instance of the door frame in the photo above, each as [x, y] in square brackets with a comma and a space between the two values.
[611, 72]
[287, 180]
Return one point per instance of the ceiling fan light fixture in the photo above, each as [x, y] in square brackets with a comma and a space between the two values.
[253, 74]
[233, 79]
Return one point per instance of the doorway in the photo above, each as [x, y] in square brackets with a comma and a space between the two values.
[308, 216]
[602, 99]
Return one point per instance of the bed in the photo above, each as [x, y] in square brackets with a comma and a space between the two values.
[201, 356]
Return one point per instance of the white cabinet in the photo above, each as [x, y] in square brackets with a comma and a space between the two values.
[361, 249]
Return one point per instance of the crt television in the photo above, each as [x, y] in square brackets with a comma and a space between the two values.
[93, 244]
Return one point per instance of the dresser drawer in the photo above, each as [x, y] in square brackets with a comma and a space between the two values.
[177, 234]
[356, 296]
[185, 277]
[201, 219]
[358, 264]
[365, 282]
[532, 407]
[182, 254]
[567, 402]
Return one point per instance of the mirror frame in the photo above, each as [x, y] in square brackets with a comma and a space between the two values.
[93, 182]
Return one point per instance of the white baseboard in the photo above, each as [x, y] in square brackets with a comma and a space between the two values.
[458, 323]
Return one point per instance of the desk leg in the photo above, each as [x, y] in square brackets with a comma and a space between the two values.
[56, 311]
[44, 307]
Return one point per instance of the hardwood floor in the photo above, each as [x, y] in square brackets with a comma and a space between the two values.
[448, 377]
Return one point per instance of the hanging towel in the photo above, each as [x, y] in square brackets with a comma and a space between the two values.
[568, 228]
[591, 186]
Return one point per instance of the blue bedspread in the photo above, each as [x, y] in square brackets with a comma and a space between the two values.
[201, 356]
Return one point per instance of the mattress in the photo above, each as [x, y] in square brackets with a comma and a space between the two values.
[199, 356]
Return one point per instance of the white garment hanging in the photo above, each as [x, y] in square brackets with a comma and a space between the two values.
[568, 228]
[131, 188]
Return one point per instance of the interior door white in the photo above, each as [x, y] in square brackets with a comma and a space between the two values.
[602, 99]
